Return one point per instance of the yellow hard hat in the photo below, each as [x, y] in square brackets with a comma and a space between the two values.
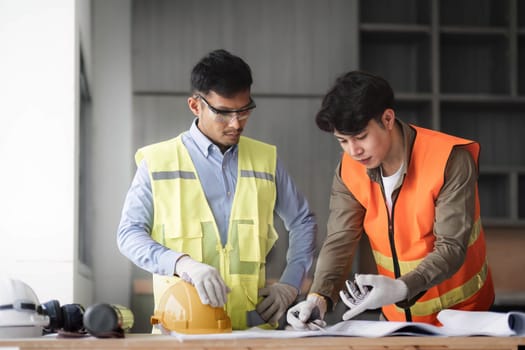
[181, 310]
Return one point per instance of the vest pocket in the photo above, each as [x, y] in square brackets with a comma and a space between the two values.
[242, 298]
[190, 242]
[249, 244]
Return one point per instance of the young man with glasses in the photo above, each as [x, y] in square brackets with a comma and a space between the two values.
[201, 206]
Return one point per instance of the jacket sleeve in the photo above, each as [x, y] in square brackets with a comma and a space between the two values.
[344, 230]
[454, 219]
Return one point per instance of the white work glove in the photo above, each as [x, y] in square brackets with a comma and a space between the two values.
[303, 316]
[209, 284]
[277, 298]
[370, 292]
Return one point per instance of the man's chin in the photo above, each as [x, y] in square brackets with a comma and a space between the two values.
[231, 140]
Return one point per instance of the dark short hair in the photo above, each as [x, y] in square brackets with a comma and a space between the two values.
[222, 72]
[355, 99]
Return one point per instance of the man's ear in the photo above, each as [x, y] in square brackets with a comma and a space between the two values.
[194, 106]
[388, 118]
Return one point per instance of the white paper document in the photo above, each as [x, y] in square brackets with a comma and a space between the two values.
[455, 323]
[484, 322]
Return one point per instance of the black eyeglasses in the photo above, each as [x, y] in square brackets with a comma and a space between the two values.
[226, 116]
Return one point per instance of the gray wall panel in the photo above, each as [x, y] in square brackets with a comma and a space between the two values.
[292, 46]
[159, 118]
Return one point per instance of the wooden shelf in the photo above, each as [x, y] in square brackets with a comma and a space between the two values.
[483, 99]
[459, 67]
[483, 31]
[389, 28]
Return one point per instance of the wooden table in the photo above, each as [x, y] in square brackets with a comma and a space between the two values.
[150, 341]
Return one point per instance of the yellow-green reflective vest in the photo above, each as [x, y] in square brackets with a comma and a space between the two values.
[183, 220]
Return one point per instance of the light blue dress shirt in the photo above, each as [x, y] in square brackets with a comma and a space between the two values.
[218, 175]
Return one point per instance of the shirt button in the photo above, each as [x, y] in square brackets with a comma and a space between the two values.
[228, 193]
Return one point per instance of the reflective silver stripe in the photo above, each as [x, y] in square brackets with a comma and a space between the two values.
[257, 174]
[169, 175]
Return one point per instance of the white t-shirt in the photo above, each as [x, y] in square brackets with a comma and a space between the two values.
[390, 183]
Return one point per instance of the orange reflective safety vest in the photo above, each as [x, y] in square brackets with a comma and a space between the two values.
[400, 243]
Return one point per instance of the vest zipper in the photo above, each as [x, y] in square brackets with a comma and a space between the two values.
[224, 258]
[391, 240]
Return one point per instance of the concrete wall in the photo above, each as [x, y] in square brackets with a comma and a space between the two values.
[111, 156]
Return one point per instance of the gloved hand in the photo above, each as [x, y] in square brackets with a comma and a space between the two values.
[209, 284]
[299, 315]
[277, 298]
[371, 292]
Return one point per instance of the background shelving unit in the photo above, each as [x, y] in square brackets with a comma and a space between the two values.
[459, 67]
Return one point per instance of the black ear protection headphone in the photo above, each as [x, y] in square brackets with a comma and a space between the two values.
[67, 317]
